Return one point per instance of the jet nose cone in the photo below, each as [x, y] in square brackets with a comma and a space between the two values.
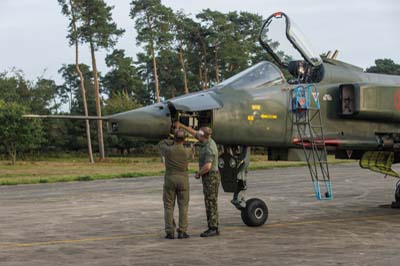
[150, 122]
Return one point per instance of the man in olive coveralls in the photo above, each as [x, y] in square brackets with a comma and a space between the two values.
[208, 171]
[176, 184]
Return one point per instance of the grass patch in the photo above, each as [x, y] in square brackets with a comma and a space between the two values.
[48, 171]
[84, 178]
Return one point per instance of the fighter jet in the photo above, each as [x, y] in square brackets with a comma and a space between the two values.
[325, 106]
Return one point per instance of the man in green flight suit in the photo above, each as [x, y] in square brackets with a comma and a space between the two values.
[176, 184]
[208, 171]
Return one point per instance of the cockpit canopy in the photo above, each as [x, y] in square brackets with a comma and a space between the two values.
[285, 42]
[263, 74]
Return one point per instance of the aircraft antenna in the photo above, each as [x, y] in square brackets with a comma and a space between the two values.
[328, 54]
[335, 55]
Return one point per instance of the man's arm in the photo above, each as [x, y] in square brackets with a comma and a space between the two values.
[208, 164]
[190, 130]
[204, 170]
[165, 146]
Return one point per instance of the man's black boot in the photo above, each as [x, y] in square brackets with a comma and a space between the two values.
[170, 236]
[182, 235]
[210, 232]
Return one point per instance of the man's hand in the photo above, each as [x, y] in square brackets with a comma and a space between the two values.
[196, 175]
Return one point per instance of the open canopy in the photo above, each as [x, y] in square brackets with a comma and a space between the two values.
[285, 42]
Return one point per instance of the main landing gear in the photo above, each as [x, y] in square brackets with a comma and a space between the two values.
[396, 203]
[233, 164]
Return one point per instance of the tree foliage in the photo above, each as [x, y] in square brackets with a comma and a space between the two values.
[39, 96]
[190, 53]
[120, 102]
[18, 134]
[385, 66]
[152, 23]
[71, 89]
[94, 23]
[123, 77]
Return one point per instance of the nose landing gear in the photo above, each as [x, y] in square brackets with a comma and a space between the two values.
[233, 164]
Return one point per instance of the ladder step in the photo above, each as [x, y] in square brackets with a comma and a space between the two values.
[322, 161]
[307, 123]
[318, 143]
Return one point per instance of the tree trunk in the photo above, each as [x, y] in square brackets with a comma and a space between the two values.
[205, 64]
[13, 159]
[55, 104]
[201, 76]
[181, 59]
[12, 152]
[157, 89]
[153, 55]
[70, 101]
[216, 66]
[82, 85]
[98, 106]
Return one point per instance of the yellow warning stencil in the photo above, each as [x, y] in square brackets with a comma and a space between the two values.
[268, 116]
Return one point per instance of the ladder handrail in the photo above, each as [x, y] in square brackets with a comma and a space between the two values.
[305, 107]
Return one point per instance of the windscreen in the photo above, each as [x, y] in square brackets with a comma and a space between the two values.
[260, 75]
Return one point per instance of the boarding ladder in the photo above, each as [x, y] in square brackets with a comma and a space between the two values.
[306, 117]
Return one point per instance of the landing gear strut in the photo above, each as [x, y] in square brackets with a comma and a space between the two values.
[396, 203]
[233, 164]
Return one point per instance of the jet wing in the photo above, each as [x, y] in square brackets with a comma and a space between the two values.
[196, 102]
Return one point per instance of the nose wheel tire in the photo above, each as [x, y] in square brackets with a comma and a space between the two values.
[396, 203]
[397, 193]
[255, 213]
